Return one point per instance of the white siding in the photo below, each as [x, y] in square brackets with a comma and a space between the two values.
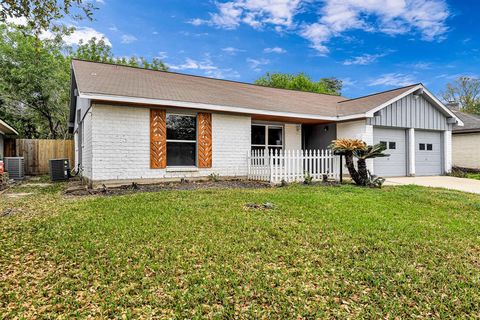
[411, 112]
[121, 145]
[87, 148]
[75, 140]
[83, 105]
[293, 136]
[466, 151]
[83, 117]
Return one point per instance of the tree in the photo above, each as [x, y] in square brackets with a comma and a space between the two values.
[43, 14]
[351, 148]
[34, 77]
[300, 81]
[466, 92]
[99, 51]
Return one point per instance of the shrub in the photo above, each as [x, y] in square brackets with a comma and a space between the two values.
[308, 178]
[214, 177]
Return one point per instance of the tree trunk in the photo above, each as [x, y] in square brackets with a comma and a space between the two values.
[351, 169]
[51, 127]
[362, 171]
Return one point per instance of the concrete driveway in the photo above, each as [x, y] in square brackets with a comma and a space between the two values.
[460, 184]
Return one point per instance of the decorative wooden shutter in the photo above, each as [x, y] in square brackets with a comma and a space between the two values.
[204, 140]
[158, 139]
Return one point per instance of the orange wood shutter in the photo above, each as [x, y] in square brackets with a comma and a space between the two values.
[158, 139]
[204, 140]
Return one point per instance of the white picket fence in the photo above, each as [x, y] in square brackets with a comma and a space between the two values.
[292, 165]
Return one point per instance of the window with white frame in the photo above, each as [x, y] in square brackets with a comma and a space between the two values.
[181, 140]
[267, 137]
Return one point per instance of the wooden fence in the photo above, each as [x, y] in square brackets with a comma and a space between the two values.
[37, 152]
[292, 165]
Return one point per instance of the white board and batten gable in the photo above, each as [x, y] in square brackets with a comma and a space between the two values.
[415, 110]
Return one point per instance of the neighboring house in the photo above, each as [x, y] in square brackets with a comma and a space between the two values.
[132, 124]
[5, 129]
[466, 140]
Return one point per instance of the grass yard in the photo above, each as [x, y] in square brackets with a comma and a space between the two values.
[473, 176]
[322, 252]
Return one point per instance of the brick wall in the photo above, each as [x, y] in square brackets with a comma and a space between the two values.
[121, 145]
[357, 130]
[466, 151]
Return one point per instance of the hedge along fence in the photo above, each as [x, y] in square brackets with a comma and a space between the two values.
[37, 152]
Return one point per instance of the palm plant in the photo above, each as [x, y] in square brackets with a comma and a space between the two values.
[370, 152]
[346, 148]
[357, 148]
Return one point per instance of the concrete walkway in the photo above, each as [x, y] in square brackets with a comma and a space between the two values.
[460, 184]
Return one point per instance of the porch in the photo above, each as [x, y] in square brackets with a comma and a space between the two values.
[292, 152]
[279, 165]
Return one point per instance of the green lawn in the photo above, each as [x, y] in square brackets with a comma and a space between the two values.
[322, 252]
[473, 176]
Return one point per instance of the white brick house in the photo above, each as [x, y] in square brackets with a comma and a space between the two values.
[132, 124]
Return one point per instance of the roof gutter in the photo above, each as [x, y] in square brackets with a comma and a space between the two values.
[465, 131]
[212, 107]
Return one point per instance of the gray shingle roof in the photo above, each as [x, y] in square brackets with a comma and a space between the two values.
[367, 103]
[115, 80]
[471, 122]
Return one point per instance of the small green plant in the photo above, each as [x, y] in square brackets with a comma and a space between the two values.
[214, 177]
[375, 181]
[307, 178]
[458, 173]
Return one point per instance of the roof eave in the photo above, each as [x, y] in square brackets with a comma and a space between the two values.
[476, 130]
[7, 129]
[212, 107]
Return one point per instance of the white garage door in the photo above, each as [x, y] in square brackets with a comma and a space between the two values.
[428, 157]
[396, 164]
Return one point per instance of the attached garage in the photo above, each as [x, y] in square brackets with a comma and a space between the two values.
[428, 153]
[416, 130]
[395, 141]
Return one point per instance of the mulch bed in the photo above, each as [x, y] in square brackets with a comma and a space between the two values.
[185, 185]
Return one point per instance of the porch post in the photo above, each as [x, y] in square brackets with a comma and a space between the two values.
[447, 151]
[411, 152]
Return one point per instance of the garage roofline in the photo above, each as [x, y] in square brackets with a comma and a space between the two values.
[435, 101]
